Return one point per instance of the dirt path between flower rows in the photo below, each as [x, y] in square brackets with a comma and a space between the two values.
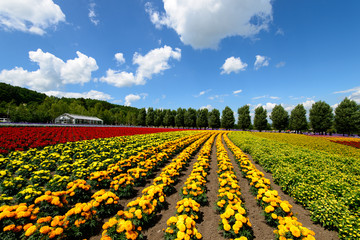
[210, 224]
[262, 231]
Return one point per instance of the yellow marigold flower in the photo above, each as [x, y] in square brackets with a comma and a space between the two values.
[269, 209]
[274, 216]
[128, 225]
[45, 229]
[9, 227]
[30, 230]
[181, 227]
[59, 231]
[227, 227]
[180, 235]
[295, 231]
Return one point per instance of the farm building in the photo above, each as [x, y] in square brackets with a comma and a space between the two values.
[68, 118]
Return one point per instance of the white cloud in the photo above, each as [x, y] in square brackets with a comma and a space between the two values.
[355, 93]
[129, 99]
[154, 62]
[280, 64]
[308, 104]
[52, 73]
[202, 93]
[237, 91]
[208, 107]
[204, 23]
[33, 16]
[269, 106]
[233, 64]
[279, 32]
[261, 61]
[266, 96]
[93, 94]
[218, 98]
[92, 15]
[120, 58]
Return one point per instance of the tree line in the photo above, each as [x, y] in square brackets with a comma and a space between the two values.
[23, 105]
[322, 119]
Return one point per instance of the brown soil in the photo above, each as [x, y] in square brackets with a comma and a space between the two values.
[261, 229]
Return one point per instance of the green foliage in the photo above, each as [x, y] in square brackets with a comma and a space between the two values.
[179, 118]
[169, 118]
[298, 120]
[214, 119]
[280, 118]
[150, 117]
[19, 95]
[260, 121]
[190, 118]
[158, 120]
[141, 117]
[244, 120]
[321, 116]
[227, 118]
[346, 115]
[202, 118]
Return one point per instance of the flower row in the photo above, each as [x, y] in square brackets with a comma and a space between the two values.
[55, 204]
[277, 212]
[234, 221]
[183, 224]
[139, 213]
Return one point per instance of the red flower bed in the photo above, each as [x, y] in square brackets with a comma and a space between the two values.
[23, 138]
[349, 143]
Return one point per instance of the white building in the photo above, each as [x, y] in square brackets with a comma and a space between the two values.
[68, 118]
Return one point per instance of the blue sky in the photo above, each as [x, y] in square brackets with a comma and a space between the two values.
[181, 53]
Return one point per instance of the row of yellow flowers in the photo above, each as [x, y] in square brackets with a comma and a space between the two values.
[128, 224]
[234, 221]
[277, 212]
[183, 224]
[54, 204]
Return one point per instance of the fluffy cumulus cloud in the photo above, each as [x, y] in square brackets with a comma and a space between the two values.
[52, 73]
[129, 99]
[93, 94]
[208, 107]
[33, 16]
[203, 23]
[233, 64]
[355, 94]
[120, 58]
[308, 104]
[261, 61]
[154, 62]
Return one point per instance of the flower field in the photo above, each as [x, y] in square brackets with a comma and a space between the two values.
[124, 187]
[318, 174]
[23, 138]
